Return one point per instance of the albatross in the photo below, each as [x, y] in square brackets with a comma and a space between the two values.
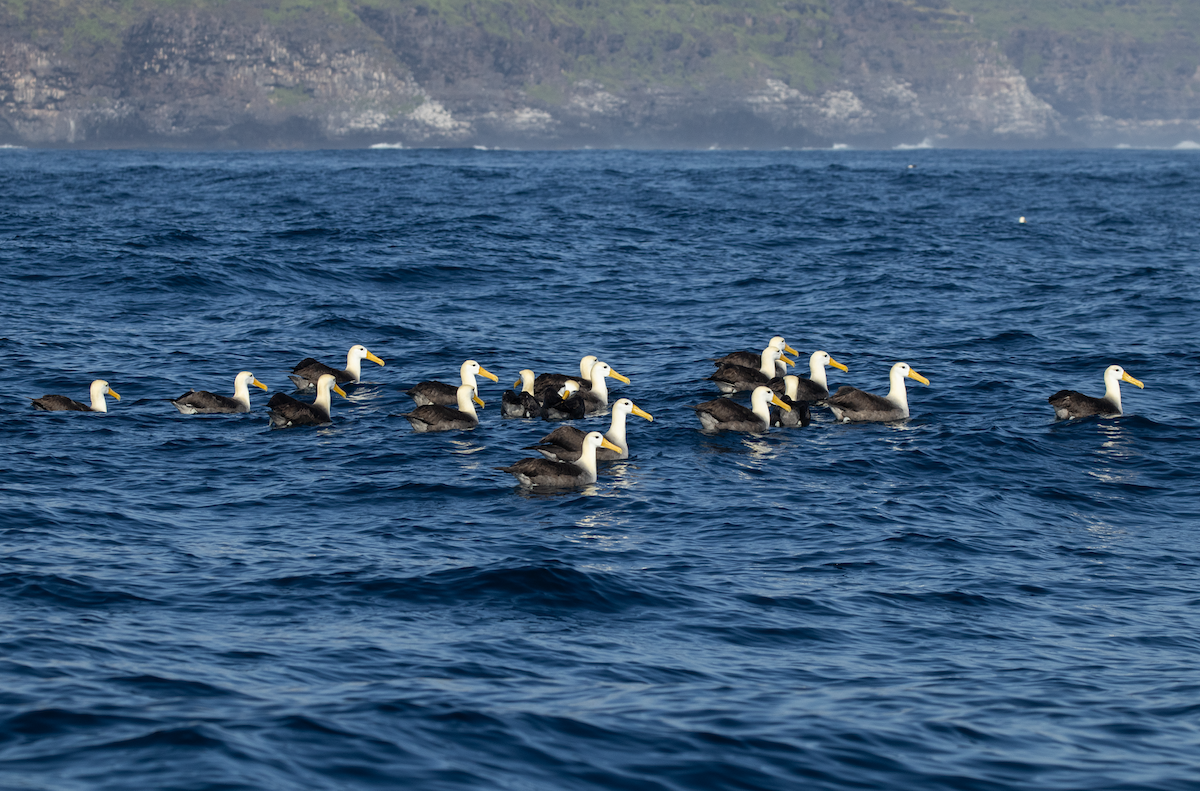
[287, 411]
[565, 404]
[566, 442]
[1070, 404]
[58, 403]
[751, 359]
[799, 414]
[595, 398]
[722, 414]
[549, 474]
[735, 378]
[435, 417]
[851, 405]
[523, 403]
[202, 402]
[555, 381]
[308, 371]
[816, 386]
[446, 394]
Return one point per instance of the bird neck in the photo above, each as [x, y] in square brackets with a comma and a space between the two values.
[527, 383]
[241, 393]
[587, 461]
[585, 368]
[816, 372]
[353, 365]
[599, 386]
[322, 400]
[760, 405]
[616, 432]
[98, 402]
[465, 404]
[1112, 389]
[898, 395]
[769, 356]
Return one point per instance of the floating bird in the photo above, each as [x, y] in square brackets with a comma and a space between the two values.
[57, 403]
[308, 371]
[851, 405]
[435, 417]
[1069, 404]
[565, 404]
[751, 359]
[202, 402]
[523, 403]
[447, 395]
[722, 414]
[555, 381]
[816, 386]
[595, 398]
[735, 378]
[549, 474]
[287, 411]
[566, 442]
[799, 415]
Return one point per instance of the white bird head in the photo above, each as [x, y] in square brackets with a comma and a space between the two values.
[627, 407]
[601, 370]
[1117, 374]
[326, 383]
[901, 370]
[596, 440]
[779, 343]
[763, 395]
[245, 379]
[97, 391]
[822, 359]
[359, 352]
[470, 368]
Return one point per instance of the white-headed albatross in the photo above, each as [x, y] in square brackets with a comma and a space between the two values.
[566, 404]
[723, 414]
[566, 442]
[308, 371]
[58, 403]
[1070, 404]
[751, 359]
[735, 378]
[548, 474]
[202, 402]
[851, 405]
[287, 411]
[523, 403]
[447, 395]
[435, 417]
[595, 398]
[816, 387]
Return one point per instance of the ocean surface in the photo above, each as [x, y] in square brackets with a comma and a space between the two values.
[979, 597]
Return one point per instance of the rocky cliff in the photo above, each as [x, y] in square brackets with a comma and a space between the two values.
[570, 73]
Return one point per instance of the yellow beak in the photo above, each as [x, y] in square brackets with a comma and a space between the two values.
[517, 383]
[339, 391]
[604, 443]
[619, 378]
[485, 372]
[914, 375]
[1124, 378]
[790, 350]
[838, 365]
[113, 393]
[257, 383]
[475, 397]
[374, 359]
[784, 359]
[637, 410]
[775, 400]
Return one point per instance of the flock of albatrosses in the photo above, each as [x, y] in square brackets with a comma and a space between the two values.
[569, 455]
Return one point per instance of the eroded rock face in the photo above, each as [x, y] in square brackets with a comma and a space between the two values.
[893, 73]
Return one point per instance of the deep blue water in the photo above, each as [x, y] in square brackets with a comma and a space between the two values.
[976, 598]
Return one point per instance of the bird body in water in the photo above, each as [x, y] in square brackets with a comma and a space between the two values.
[816, 387]
[308, 371]
[566, 442]
[287, 411]
[447, 394]
[57, 403]
[723, 414]
[736, 378]
[751, 359]
[202, 402]
[435, 417]
[851, 405]
[522, 403]
[546, 474]
[1070, 404]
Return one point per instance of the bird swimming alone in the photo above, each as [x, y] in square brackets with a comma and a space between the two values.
[308, 371]
[287, 411]
[565, 443]
[723, 414]
[435, 417]
[523, 403]
[851, 405]
[1070, 404]
[202, 402]
[58, 403]
[547, 474]
[751, 359]
[816, 386]
[735, 378]
[446, 394]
